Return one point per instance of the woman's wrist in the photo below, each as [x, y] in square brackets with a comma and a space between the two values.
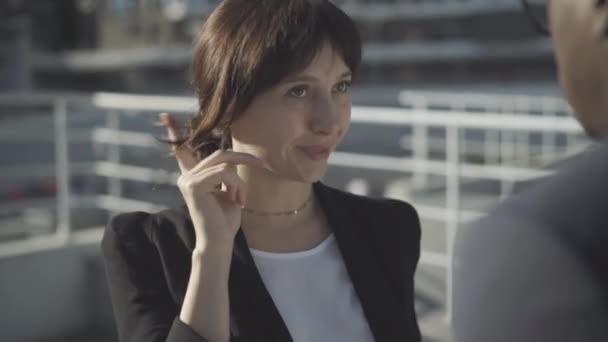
[211, 261]
[213, 250]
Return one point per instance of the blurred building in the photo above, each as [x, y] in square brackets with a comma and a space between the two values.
[144, 45]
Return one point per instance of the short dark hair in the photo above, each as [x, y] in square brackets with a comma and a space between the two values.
[248, 46]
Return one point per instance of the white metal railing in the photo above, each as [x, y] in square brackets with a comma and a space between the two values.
[421, 112]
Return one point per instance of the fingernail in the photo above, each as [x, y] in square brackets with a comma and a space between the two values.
[166, 119]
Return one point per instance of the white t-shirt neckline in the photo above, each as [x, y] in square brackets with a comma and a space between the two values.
[313, 293]
[294, 255]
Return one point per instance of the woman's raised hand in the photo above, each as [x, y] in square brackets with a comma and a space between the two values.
[212, 189]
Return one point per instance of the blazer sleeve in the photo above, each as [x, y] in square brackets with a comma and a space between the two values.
[412, 256]
[409, 235]
[411, 223]
[143, 308]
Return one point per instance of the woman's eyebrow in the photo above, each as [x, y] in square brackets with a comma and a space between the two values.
[311, 78]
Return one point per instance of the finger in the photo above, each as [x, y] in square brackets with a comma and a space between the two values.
[242, 195]
[242, 191]
[186, 159]
[232, 185]
[235, 184]
[166, 120]
[236, 195]
[232, 191]
[213, 178]
[230, 157]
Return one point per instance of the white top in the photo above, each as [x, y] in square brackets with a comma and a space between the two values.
[314, 294]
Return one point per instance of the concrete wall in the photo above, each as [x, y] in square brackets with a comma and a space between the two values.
[54, 294]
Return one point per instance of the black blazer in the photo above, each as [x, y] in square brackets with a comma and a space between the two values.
[148, 258]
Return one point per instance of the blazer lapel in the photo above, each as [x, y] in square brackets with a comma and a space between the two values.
[381, 307]
[255, 314]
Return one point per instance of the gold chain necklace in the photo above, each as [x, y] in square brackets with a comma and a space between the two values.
[284, 213]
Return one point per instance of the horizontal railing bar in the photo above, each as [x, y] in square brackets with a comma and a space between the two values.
[118, 137]
[184, 104]
[144, 102]
[35, 244]
[463, 99]
[136, 173]
[399, 164]
[352, 160]
[42, 170]
[442, 214]
[40, 134]
[115, 204]
[433, 259]
[463, 119]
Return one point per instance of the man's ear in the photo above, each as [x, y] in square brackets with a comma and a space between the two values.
[601, 21]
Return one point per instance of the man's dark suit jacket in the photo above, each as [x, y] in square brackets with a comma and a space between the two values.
[148, 259]
[536, 268]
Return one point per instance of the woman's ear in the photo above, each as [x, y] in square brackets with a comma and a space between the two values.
[226, 139]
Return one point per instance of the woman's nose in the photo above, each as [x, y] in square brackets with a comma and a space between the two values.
[325, 118]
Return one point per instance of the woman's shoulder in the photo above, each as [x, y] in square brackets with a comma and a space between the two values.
[140, 229]
[389, 208]
[391, 224]
[394, 216]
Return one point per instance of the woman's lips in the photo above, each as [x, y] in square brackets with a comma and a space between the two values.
[316, 152]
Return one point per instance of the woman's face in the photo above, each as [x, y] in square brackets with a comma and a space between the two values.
[296, 124]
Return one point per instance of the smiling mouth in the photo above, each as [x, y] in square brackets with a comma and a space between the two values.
[316, 152]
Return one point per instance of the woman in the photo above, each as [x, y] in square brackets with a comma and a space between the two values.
[262, 251]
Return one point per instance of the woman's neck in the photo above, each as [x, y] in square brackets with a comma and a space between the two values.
[267, 195]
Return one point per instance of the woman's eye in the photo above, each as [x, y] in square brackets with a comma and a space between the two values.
[298, 92]
[343, 87]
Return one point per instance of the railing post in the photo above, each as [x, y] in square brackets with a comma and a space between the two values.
[491, 148]
[522, 106]
[420, 145]
[62, 168]
[453, 209]
[507, 150]
[460, 106]
[114, 184]
[549, 139]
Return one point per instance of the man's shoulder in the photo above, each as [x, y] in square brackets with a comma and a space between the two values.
[569, 206]
[575, 193]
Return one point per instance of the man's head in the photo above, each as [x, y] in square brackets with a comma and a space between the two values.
[580, 32]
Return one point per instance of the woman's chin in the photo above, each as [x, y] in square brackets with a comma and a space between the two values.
[316, 175]
[310, 176]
